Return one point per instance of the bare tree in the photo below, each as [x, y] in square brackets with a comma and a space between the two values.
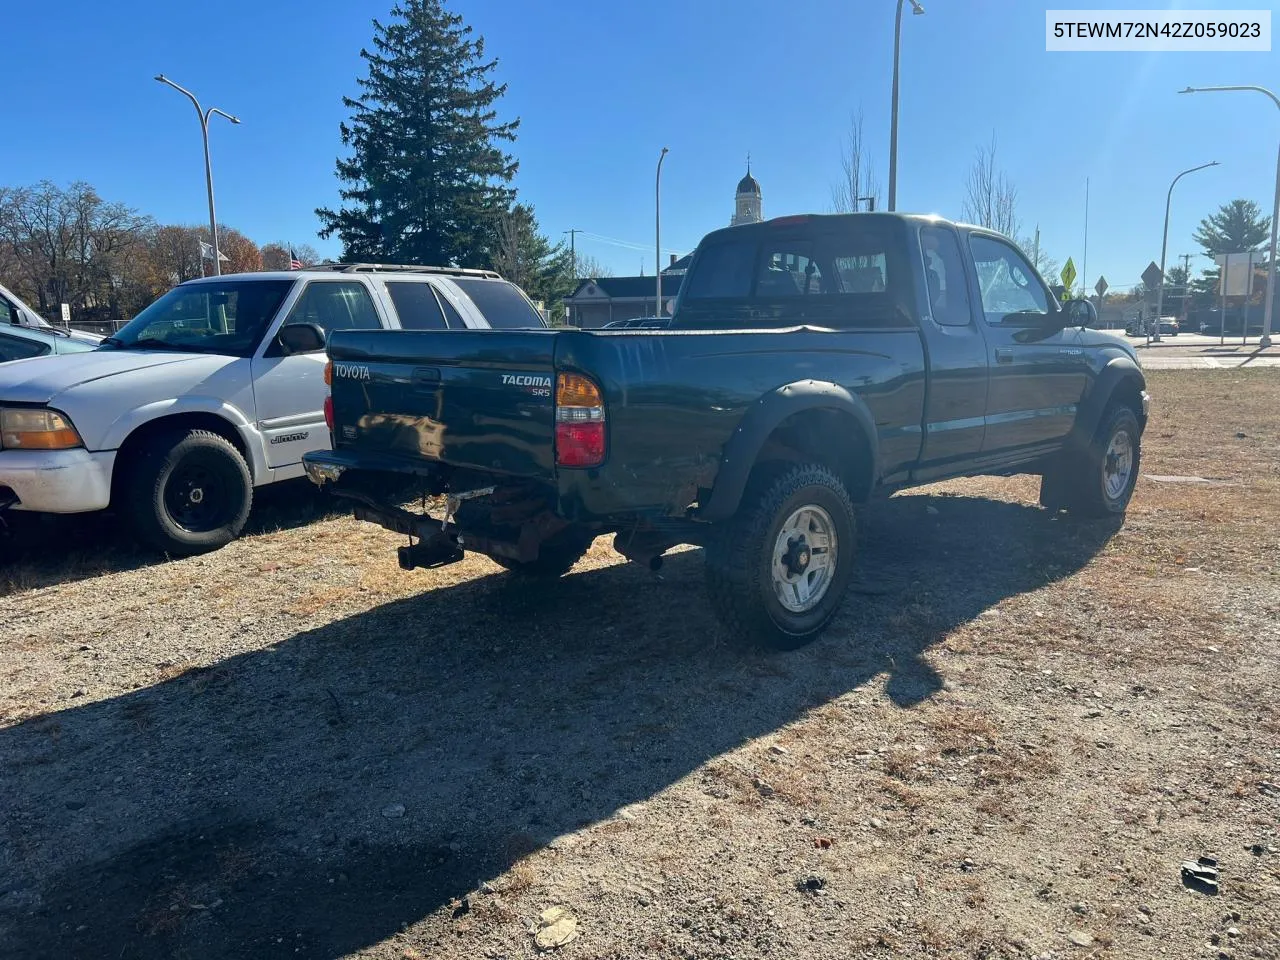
[857, 173]
[511, 228]
[590, 267]
[990, 198]
[276, 255]
[1045, 265]
[68, 246]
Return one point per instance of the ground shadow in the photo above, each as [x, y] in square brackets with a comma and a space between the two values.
[309, 798]
[37, 550]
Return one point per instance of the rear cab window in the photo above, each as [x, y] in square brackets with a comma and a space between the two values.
[838, 273]
[501, 303]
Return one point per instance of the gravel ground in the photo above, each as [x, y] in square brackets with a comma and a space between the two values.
[1015, 733]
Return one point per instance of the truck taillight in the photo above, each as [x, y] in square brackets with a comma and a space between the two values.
[580, 422]
[328, 413]
[328, 374]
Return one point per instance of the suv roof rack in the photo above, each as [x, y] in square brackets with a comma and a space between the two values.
[403, 268]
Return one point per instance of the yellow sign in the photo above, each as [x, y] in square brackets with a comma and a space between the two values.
[1068, 275]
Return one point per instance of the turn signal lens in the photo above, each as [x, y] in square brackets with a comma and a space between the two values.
[580, 422]
[36, 429]
[328, 374]
[575, 390]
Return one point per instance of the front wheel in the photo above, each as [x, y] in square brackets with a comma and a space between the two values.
[188, 492]
[778, 571]
[1099, 482]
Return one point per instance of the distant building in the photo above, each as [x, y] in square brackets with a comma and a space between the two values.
[747, 201]
[601, 300]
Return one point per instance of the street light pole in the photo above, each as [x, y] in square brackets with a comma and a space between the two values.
[208, 166]
[1275, 214]
[657, 230]
[1164, 244]
[893, 115]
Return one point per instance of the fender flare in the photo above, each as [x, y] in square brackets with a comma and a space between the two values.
[138, 417]
[1089, 414]
[761, 419]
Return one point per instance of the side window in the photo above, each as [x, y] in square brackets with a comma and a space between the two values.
[19, 348]
[1006, 282]
[944, 274]
[8, 313]
[416, 305]
[723, 270]
[788, 269]
[450, 314]
[335, 306]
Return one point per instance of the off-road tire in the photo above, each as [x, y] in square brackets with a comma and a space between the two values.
[1078, 485]
[170, 463]
[739, 557]
[556, 555]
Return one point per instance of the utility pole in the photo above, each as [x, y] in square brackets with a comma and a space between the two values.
[1084, 261]
[657, 234]
[573, 254]
[1186, 285]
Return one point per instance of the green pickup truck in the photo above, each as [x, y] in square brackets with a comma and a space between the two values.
[812, 363]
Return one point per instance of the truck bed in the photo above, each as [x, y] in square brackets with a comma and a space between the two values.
[484, 401]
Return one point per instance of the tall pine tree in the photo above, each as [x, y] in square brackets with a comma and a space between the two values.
[427, 178]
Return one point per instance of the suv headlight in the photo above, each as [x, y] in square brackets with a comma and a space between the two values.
[35, 428]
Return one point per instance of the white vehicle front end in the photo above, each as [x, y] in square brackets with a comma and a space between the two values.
[45, 467]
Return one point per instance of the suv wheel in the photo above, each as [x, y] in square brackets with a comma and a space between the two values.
[778, 571]
[188, 492]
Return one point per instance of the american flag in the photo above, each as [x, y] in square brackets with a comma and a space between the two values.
[294, 262]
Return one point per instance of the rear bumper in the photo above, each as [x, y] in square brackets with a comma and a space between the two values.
[56, 481]
[329, 466]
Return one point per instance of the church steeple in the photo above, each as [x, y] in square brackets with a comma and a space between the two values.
[747, 200]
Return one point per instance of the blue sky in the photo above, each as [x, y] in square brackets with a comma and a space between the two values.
[778, 80]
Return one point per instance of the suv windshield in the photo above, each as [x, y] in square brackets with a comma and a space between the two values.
[226, 317]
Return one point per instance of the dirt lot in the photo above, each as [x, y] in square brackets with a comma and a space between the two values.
[1018, 729]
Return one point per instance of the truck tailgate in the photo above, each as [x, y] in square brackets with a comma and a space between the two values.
[473, 398]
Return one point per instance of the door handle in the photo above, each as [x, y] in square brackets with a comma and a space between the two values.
[1004, 354]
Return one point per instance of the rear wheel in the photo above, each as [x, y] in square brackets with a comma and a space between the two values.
[778, 571]
[188, 492]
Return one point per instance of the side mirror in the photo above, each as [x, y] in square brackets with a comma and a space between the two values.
[1080, 313]
[301, 338]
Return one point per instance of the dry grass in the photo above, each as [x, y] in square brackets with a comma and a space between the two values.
[1025, 717]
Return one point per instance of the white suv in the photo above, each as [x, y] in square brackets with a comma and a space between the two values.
[214, 389]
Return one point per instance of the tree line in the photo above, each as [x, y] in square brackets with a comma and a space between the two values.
[105, 259]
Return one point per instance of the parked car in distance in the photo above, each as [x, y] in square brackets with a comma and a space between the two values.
[1140, 326]
[13, 312]
[216, 388]
[23, 342]
[812, 362]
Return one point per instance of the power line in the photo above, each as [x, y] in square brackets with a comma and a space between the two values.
[626, 244]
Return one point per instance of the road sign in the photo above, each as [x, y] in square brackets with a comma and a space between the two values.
[1101, 286]
[66, 314]
[1068, 274]
[1151, 276]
